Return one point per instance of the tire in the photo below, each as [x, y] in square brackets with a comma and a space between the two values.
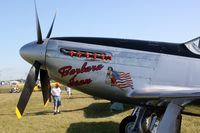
[126, 125]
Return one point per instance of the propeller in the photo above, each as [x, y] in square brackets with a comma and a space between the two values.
[33, 75]
[45, 84]
[51, 28]
[39, 33]
[28, 88]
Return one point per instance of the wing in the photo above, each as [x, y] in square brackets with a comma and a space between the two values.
[157, 92]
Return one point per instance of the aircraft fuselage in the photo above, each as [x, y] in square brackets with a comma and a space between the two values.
[154, 70]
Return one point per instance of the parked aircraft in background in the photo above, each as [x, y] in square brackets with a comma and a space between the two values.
[159, 78]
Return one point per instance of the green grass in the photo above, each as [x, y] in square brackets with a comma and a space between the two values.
[5, 89]
[81, 113]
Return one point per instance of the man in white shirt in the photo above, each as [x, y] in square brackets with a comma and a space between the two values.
[56, 91]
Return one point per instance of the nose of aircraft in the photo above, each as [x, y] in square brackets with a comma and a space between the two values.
[32, 52]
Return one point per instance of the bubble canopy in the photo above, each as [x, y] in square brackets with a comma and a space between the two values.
[194, 45]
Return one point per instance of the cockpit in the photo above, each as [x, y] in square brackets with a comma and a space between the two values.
[194, 45]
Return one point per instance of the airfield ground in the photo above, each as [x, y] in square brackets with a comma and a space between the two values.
[82, 113]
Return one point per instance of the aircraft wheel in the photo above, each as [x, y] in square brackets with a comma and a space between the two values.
[127, 125]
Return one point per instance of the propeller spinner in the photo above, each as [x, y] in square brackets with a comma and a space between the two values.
[34, 53]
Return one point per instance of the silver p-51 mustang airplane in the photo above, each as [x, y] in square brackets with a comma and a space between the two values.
[159, 78]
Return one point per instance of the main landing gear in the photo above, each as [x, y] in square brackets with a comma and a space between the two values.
[152, 120]
[128, 124]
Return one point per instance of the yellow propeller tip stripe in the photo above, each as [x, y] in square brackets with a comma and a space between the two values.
[19, 116]
[45, 105]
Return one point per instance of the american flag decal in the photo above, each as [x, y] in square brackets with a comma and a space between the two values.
[123, 80]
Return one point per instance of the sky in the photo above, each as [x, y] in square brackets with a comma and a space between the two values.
[157, 20]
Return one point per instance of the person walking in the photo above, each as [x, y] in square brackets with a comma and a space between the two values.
[56, 91]
[69, 91]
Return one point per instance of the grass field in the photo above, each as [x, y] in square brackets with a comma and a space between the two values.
[80, 114]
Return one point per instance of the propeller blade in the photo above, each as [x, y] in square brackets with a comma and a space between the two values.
[50, 94]
[39, 33]
[50, 30]
[45, 85]
[28, 89]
